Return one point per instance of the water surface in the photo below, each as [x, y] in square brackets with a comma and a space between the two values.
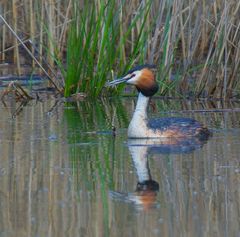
[64, 173]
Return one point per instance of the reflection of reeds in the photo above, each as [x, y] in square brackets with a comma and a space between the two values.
[59, 187]
[195, 44]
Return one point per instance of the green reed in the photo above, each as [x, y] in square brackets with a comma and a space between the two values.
[97, 45]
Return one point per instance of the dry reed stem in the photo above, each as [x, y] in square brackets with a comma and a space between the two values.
[41, 32]
[16, 57]
[62, 38]
[49, 6]
[32, 26]
[30, 53]
[3, 43]
[44, 33]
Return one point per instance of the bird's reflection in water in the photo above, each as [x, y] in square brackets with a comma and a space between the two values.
[145, 195]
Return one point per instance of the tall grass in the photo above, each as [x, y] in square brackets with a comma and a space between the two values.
[195, 44]
[97, 43]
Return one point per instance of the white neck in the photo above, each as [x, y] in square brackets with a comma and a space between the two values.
[137, 126]
[142, 104]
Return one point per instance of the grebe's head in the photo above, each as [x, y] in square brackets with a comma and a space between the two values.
[142, 77]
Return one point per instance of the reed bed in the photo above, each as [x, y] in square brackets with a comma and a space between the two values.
[195, 44]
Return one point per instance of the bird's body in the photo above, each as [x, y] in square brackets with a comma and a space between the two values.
[142, 127]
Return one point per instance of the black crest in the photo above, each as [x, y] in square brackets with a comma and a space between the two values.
[140, 67]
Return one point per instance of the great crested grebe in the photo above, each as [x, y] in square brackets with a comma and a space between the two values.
[142, 127]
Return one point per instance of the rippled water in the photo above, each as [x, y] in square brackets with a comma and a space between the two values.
[64, 173]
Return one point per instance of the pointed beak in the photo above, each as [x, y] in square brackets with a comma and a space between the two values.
[116, 82]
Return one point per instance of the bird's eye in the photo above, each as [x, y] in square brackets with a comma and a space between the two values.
[133, 75]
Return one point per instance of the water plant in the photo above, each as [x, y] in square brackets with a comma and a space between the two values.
[97, 44]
